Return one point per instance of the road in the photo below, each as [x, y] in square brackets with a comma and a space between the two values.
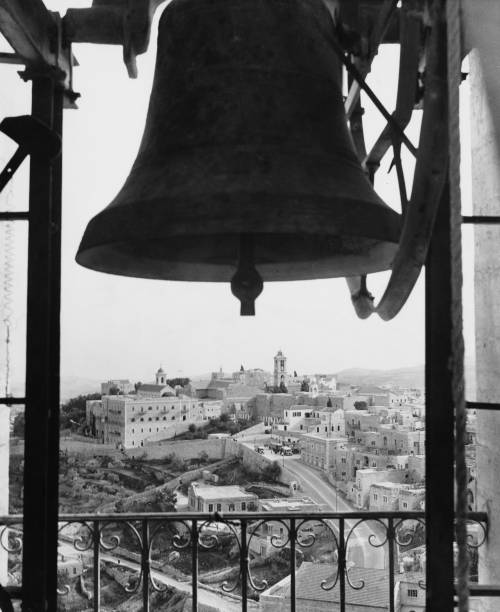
[206, 597]
[360, 552]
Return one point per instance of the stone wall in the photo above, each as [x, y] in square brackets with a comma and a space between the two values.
[185, 449]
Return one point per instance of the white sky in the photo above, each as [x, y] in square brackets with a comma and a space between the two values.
[122, 327]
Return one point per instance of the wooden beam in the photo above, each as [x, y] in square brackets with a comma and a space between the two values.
[34, 34]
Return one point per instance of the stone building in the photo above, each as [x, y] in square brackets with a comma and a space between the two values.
[210, 498]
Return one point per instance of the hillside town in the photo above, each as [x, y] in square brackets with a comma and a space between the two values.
[250, 441]
[368, 440]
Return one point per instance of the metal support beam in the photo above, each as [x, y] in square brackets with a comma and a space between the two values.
[35, 34]
[439, 455]
[42, 364]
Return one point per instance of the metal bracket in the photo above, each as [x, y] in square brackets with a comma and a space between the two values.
[33, 138]
[114, 22]
[35, 35]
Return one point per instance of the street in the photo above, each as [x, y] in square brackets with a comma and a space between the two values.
[206, 596]
[360, 551]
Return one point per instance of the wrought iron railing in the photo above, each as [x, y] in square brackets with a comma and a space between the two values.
[155, 553]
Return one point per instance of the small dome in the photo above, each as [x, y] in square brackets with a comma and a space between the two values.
[160, 371]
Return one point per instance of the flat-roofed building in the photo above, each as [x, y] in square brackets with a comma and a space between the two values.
[318, 449]
[210, 498]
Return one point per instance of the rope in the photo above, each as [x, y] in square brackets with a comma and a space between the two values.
[457, 341]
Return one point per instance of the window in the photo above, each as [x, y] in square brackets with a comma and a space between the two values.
[150, 408]
[412, 593]
[132, 419]
[210, 507]
[385, 498]
[243, 506]
[219, 507]
[375, 496]
[231, 508]
[405, 505]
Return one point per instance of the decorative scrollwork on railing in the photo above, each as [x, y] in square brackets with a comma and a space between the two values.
[409, 537]
[182, 539]
[82, 540]
[161, 528]
[111, 542]
[206, 539]
[63, 590]
[329, 584]
[11, 540]
[135, 543]
[483, 527]
[374, 540]
[234, 529]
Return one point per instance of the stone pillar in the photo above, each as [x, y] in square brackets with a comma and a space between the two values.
[486, 201]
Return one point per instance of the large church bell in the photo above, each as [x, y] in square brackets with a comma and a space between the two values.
[246, 172]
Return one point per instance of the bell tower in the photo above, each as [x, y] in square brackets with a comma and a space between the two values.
[280, 375]
[161, 377]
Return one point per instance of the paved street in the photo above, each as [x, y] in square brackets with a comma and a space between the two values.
[314, 485]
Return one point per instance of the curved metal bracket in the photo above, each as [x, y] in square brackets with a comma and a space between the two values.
[430, 175]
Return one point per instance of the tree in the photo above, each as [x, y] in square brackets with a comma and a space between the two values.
[74, 410]
[166, 500]
[182, 382]
[192, 428]
[203, 456]
[18, 427]
[329, 403]
[304, 385]
[295, 375]
[283, 388]
[242, 369]
[114, 390]
[272, 471]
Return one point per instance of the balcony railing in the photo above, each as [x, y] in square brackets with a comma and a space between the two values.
[339, 559]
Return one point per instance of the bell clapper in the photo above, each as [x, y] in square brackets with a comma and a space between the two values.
[246, 283]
